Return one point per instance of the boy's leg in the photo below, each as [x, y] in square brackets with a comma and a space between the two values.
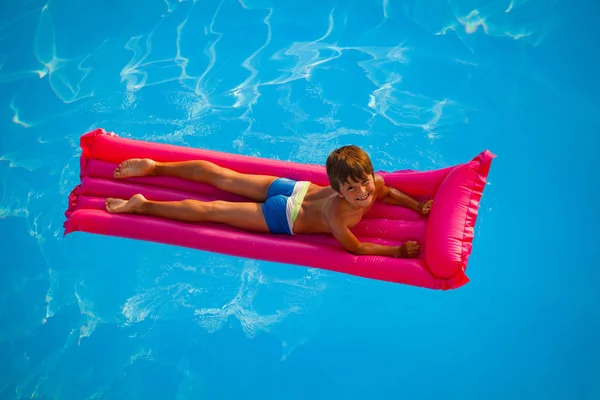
[247, 216]
[254, 187]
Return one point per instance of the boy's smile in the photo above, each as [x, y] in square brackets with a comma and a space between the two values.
[364, 201]
[366, 196]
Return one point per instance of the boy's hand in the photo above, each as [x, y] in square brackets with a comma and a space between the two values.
[425, 207]
[409, 249]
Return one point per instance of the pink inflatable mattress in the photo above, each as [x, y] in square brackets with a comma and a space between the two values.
[445, 235]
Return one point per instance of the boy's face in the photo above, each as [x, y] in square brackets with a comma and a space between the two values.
[358, 193]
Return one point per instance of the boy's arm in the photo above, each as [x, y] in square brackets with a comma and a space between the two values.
[347, 239]
[394, 196]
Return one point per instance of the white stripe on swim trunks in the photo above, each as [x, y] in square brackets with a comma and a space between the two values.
[294, 202]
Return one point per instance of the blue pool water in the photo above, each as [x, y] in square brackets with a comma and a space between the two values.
[419, 84]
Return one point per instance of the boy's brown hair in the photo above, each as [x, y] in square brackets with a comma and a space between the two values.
[347, 162]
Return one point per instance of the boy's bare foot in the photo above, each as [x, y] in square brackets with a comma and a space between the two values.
[409, 249]
[134, 167]
[120, 206]
[425, 207]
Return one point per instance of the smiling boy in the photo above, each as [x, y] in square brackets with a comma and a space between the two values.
[279, 205]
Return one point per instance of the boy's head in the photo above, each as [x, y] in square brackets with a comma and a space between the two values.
[348, 163]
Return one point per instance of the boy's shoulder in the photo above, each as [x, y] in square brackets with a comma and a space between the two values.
[380, 187]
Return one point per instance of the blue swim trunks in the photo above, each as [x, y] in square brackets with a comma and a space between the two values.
[284, 199]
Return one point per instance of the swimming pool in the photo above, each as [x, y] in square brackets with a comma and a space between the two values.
[418, 84]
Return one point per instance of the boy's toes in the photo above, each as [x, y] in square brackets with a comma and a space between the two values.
[119, 169]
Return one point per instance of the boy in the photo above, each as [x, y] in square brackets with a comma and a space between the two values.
[279, 205]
